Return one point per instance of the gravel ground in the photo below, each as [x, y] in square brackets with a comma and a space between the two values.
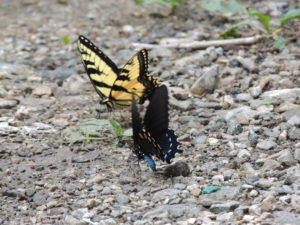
[239, 129]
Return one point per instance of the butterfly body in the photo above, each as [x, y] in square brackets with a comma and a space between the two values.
[117, 86]
[152, 137]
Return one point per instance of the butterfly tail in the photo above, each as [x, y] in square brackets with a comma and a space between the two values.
[150, 162]
[169, 145]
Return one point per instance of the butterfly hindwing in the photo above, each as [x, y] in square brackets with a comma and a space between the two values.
[101, 70]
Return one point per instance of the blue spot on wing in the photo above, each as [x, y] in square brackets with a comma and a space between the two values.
[150, 162]
[169, 144]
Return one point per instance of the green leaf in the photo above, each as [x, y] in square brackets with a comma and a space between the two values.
[290, 15]
[117, 127]
[128, 133]
[223, 6]
[231, 31]
[267, 101]
[66, 40]
[279, 43]
[264, 19]
[210, 189]
[138, 1]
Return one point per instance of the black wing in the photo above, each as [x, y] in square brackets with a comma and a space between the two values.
[144, 144]
[157, 117]
[157, 121]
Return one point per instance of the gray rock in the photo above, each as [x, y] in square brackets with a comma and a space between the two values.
[224, 207]
[207, 82]
[79, 213]
[243, 97]
[41, 197]
[234, 128]
[289, 95]
[271, 164]
[243, 115]
[106, 191]
[226, 193]
[286, 158]
[244, 155]
[8, 103]
[122, 199]
[295, 120]
[182, 105]
[297, 154]
[263, 183]
[109, 221]
[266, 144]
[73, 221]
[284, 217]
[174, 210]
[255, 210]
[179, 186]
[163, 194]
[294, 133]
[247, 63]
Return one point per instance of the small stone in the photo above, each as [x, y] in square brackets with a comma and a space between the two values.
[267, 203]
[106, 191]
[224, 207]
[41, 91]
[122, 199]
[247, 63]
[294, 133]
[255, 210]
[8, 104]
[217, 179]
[271, 164]
[244, 155]
[180, 168]
[253, 193]
[91, 203]
[179, 186]
[97, 179]
[73, 221]
[109, 221]
[297, 154]
[196, 192]
[248, 218]
[266, 144]
[286, 158]
[263, 183]
[207, 82]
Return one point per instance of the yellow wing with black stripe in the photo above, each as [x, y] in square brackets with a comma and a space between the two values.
[133, 80]
[116, 86]
[101, 70]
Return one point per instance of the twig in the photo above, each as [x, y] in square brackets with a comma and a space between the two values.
[200, 44]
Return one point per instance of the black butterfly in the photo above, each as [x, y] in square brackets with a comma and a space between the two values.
[154, 138]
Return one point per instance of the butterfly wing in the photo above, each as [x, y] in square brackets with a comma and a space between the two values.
[101, 70]
[157, 121]
[157, 117]
[144, 144]
[133, 80]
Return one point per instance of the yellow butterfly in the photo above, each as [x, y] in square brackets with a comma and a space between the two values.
[116, 86]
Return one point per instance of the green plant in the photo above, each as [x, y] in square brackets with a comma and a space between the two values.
[234, 7]
[65, 39]
[93, 130]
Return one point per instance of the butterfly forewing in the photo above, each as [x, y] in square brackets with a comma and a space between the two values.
[100, 69]
[133, 79]
[157, 117]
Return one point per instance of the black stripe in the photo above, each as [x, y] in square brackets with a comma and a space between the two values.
[93, 71]
[123, 77]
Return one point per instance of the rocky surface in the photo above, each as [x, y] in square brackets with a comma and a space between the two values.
[235, 134]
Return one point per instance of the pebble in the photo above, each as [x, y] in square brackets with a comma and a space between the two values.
[224, 207]
[207, 82]
[42, 91]
[8, 104]
[122, 199]
[266, 144]
[297, 154]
